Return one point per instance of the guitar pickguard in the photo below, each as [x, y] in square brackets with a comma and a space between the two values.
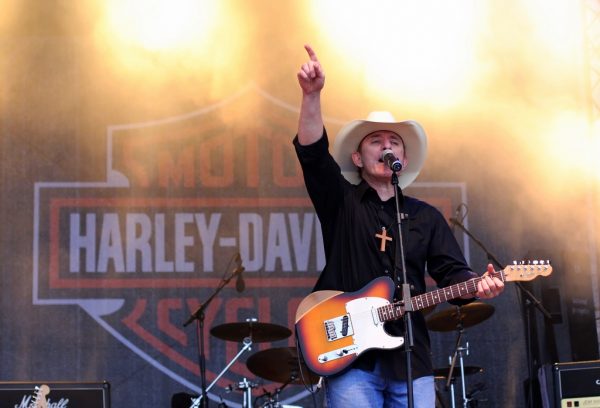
[368, 328]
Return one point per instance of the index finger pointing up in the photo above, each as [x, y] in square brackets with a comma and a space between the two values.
[311, 53]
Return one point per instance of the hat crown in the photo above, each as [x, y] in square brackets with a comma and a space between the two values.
[381, 116]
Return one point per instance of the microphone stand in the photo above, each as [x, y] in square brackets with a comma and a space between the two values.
[531, 300]
[199, 315]
[408, 327]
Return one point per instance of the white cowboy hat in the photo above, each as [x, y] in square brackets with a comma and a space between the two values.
[350, 136]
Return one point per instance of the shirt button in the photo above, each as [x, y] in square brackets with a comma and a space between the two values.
[386, 272]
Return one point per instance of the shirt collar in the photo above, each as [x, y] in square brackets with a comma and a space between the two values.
[364, 190]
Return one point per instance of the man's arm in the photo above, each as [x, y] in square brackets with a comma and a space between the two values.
[311, 78]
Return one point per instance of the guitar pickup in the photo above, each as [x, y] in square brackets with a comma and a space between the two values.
[338, 328]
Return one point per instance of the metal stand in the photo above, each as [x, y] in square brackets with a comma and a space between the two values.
[273, 398]
[531, 301]
[405, 287]
[247, 346]
[199, 315]
[246, 387]
[459, 351]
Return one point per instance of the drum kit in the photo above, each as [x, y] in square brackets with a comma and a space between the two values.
[280, 365]
[456, 319]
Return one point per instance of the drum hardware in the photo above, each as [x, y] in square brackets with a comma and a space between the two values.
[248, 332]
[442, 373]
[271, 398]
[199, 316]
[247, 346]
[464, 316]
[281, 365]
[246, 387]
[452, 362]
[475, 390]
[456, 319]
[258, 332]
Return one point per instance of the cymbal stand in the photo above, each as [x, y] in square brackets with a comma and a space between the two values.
[246, 386]
[199, 315]
[247, 346]
[458, 351]
[531, 301]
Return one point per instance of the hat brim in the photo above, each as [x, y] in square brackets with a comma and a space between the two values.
[349, 137]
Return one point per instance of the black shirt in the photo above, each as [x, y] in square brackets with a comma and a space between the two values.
[350, 216]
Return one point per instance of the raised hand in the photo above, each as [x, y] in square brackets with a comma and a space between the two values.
[311, 76]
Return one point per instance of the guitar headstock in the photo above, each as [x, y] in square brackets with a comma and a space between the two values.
[526, 271]
[39, 399]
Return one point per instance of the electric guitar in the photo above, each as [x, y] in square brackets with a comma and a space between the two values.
[39, 398]
[334, 327]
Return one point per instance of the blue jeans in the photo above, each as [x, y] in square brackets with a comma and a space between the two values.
[359, 388]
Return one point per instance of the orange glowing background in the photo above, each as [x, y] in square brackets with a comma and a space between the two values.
[522, 64]
[503, 90]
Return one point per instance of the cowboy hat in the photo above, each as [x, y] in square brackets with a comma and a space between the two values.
[350, 136]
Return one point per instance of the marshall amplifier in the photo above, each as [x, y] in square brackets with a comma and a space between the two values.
[577, 384]
[55, 394]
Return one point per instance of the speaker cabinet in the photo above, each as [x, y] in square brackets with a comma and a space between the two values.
[62, 394]
[577, 384]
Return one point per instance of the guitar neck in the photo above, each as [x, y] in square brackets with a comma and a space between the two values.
[395, 311]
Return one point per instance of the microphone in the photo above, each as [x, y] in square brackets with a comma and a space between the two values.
[389, 158]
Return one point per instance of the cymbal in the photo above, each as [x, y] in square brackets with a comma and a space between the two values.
[280, 365]
[258, 332]
[442, 373]
[466, 316]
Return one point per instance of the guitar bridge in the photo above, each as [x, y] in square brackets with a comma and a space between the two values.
[338, 328]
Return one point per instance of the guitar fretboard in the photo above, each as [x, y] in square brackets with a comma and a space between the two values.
[395, 311]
